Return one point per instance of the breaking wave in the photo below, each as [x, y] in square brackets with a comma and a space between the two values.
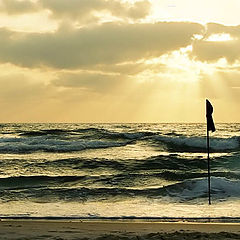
[221, 188]
[199, 143]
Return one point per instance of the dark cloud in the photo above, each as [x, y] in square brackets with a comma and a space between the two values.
[104, 44]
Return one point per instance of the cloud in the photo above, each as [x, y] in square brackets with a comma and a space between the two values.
[211, 51]
[215, 28]
[13, 7]
[104, 44]
[124, 69]
[79, 9]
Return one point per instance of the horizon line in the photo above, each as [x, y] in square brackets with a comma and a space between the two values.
[116, 122]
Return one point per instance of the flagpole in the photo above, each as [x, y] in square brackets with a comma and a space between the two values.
[210, 127]
[209, 183]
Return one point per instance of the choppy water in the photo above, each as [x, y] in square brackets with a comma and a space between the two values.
[115, 170]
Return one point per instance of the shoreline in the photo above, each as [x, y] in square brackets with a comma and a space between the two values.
[126, 219]
[97, 229]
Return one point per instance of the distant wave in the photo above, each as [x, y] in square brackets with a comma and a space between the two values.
[97, 132]
[44, 132]
[173, 141]
[129, 135]
[59, 140]
[34, 144]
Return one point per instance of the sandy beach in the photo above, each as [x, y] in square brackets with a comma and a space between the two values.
[42, 229]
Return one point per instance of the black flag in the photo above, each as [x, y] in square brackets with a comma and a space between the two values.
[209, 111]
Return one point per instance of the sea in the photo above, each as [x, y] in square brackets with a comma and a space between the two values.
[118, 171]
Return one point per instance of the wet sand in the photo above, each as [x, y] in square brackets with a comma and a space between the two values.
[45, 229]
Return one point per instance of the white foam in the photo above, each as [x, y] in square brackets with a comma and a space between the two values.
[220, 188]
[200, 142]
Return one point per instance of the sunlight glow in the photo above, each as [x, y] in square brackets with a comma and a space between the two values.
[35, 22]
[219, 37]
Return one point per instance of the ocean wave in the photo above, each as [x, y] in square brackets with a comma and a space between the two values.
[45, 188]
[35, 144]
[83, 163]
[89, 132]
[173, 141]
[199, 143]
[107, 134]
[129, 135]
[221, 188]
[59, 132]
[27, 182]
[129, 171]
[160, 162]
[44, 132]
[148, 165]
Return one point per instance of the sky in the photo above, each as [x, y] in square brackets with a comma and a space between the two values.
[119, 60]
